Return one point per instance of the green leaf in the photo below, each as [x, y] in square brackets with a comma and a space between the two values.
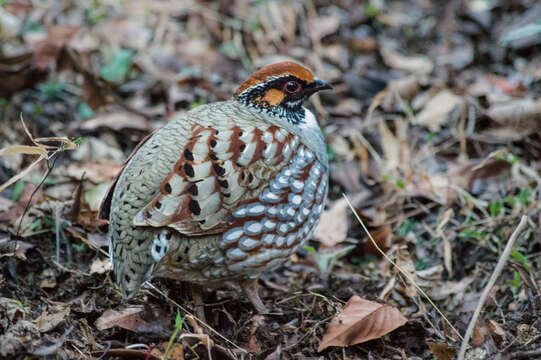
[36, 224]
[94, 195]
[51, 88]
[78, 141]
[310, 249]
[406, 227]
[527, 30]
[421, 264]
[85, 111]
[178, 321]
[17, 301]
[400, 184]
[495, 208]
[510, 200]
[79, 247]
[521, 258]
[118, 66]
[516, 281]
[17, 190]
[331, 153]
[525, 195]
[371, 11]
[229, 49]
[195, 104]
[33, 26]
[470, 233]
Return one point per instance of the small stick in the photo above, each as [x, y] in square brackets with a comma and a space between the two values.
[495, 274]
[402, 271]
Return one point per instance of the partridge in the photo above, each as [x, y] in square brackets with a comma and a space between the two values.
[226, 191]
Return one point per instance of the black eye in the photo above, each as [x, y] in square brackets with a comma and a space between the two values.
[292, 87]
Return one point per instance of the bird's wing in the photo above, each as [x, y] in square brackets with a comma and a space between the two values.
[105, 205]
[218, 170]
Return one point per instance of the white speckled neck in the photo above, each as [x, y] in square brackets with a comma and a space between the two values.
[308, 131]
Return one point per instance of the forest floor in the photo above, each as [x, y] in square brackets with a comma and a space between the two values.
[434, 135]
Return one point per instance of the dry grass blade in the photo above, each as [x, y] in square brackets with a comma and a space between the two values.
[23, 149]
[20, 175]
[497, 270]
[403, 272]
[43, 150]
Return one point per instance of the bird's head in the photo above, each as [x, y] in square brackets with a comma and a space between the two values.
[280, 90]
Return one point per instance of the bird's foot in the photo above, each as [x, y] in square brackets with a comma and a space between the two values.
[250, 286]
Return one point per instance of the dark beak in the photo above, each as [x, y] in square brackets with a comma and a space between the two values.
[321, 85]
[315, 86]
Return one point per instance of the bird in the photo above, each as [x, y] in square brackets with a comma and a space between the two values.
[223, 192]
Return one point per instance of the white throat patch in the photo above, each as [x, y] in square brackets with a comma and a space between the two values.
[310, 122]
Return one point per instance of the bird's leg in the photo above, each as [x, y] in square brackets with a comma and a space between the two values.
[197, 297]
[249, 286]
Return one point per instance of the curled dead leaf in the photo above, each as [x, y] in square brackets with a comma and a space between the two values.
[400, 89]
[128, 318]
[117, 121]
[404, 262]
[441, 351]
[100, 266]
[521, 114]
[448, 288]
[413, 64]
[333, 225]
[439, 110]
[359, 321]
[50, 318]
[46, 51]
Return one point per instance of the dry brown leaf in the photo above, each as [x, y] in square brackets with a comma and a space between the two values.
[382, 236]
[439, 110]
[333, 225]
[176, 351]
[405, 89]
[404, 261]
[347, 107]
[17, 248]
[46, 51]
[441, 351]
[390, 144]
[359, 321]
[448, 288]
[95, 171]
[63, 144]
[414, 64]
[324, 25]
[495, 329]
[347, 174]
[50, 318]
[519, 114]
[48, 279]
[121, 353]
[12, 150]
[119, 120]
[100, 266]
[128, 318]
[23, 149]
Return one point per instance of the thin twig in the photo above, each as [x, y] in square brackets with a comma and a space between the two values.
[50, 167]
[402, 271]
[495, 274]
[159, 291]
